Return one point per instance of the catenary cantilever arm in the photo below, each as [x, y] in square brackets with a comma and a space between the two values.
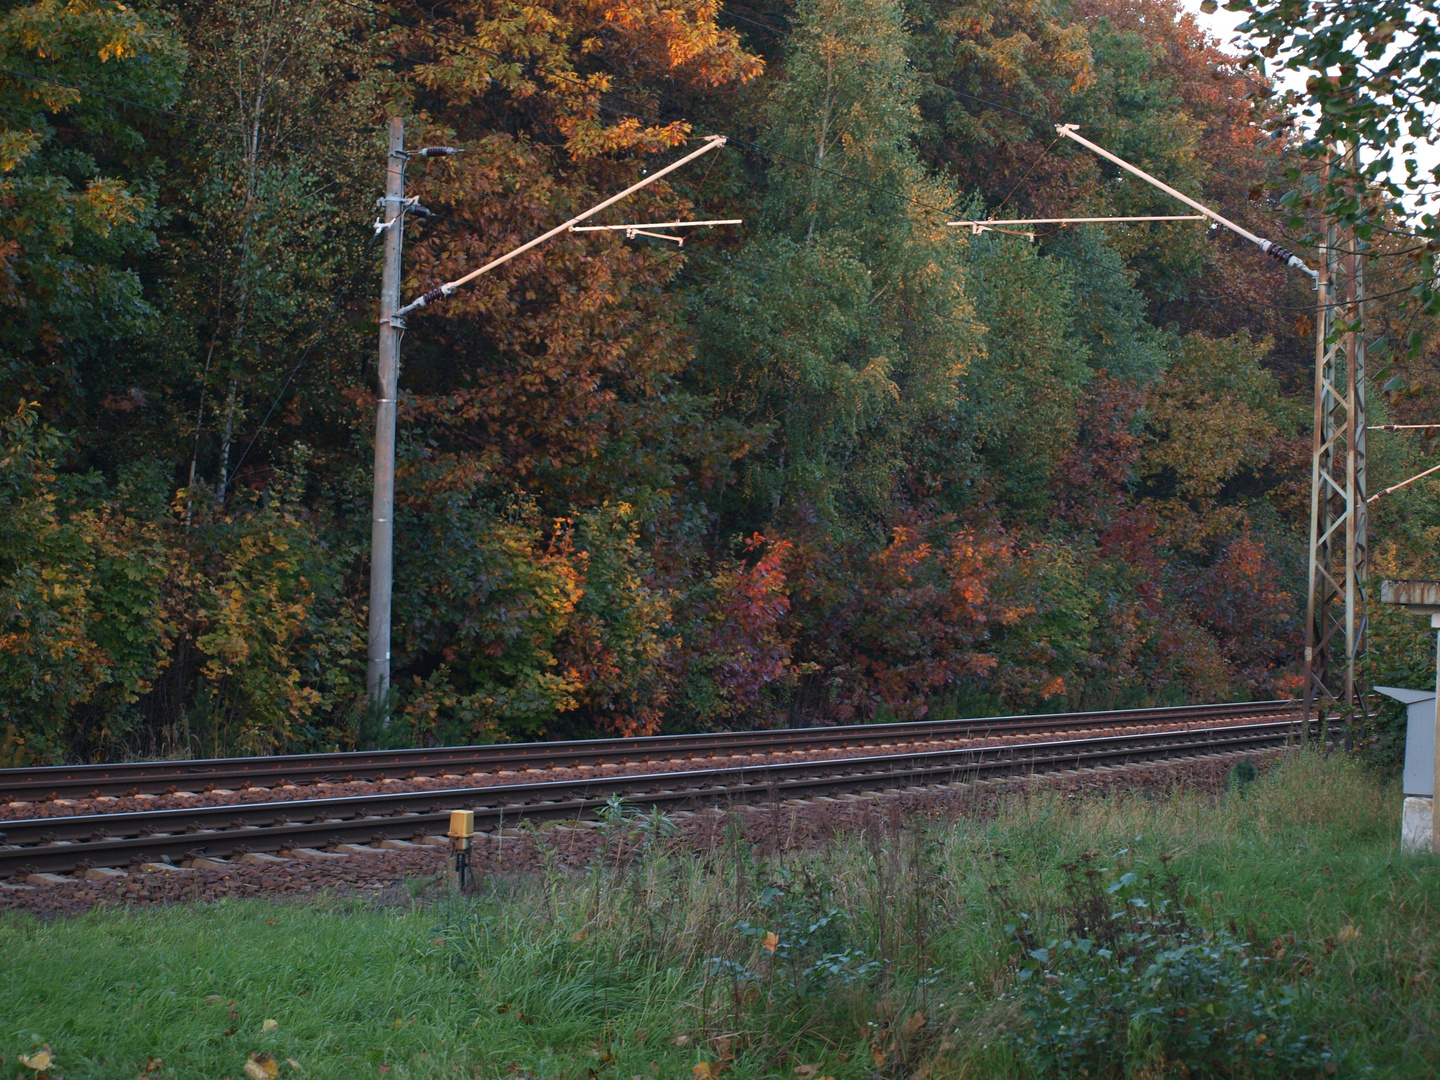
[1269, 247]
[712, 142]
[1404, 483]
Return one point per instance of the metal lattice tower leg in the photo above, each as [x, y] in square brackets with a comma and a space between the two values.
[1335, 623]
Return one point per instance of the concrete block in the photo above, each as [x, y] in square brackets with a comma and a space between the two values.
[162, 868]
[357, 849]
[1416, 825]
[259, 858]
[400, 845]
[48, 879]
[103, 873]
[205, 863]
[5, 886]
[436, 841]
[315, 854]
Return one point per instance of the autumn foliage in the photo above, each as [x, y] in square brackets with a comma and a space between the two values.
[840, 464]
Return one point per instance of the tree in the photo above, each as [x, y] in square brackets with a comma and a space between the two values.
[842, 462]
[1021, 395]
[845, 328]
[266, 223]
[1373, 86]
[78, 197]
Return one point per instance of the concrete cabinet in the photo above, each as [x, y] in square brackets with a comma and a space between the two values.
[1419, 777]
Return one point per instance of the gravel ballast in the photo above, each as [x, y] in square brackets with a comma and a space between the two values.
[362, 871]
[20, 810]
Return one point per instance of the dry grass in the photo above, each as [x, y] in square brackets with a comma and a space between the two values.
[880, 954]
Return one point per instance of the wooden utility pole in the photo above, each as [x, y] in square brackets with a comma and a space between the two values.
[382, 514]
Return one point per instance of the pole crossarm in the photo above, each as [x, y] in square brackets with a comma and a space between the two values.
[993, 225]
[978, 227]
[988, 222]
[1269, 247]
[656, 225]
[1403, 427]
[712, 142]
[645, 228]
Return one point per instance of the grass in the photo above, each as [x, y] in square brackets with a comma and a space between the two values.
[876, 956]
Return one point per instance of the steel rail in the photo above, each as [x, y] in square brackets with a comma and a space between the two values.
[66, 843]
[160, 777]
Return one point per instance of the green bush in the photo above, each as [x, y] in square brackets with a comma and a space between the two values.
[808, 937]
[1132, 989]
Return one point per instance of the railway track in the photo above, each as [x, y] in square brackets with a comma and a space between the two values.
[57, 845]
[166, 777]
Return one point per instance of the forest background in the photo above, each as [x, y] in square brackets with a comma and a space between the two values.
[840, 464]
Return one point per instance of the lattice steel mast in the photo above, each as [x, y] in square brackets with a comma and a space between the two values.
[1335, 620]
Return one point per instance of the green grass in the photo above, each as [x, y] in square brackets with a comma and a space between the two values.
[652, 967]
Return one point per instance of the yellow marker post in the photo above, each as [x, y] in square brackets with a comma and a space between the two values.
[462, 831]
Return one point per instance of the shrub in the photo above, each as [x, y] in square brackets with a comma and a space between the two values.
[1132, 988]
[807, 938]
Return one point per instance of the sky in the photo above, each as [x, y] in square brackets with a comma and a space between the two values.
[1222, 24]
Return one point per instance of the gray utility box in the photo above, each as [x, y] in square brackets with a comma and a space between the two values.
[1419, 776]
